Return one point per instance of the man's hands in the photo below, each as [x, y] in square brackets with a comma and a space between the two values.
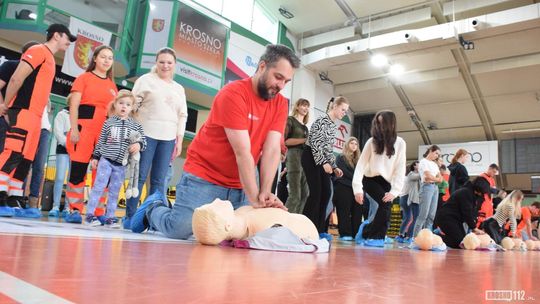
[268, 200]
[74, 136]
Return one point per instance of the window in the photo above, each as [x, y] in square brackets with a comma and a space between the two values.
[239, 11]
[263, 24]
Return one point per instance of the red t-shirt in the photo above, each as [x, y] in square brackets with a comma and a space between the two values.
[210, 155]
[95, 91]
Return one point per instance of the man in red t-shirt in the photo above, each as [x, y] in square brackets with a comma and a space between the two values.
[486, 210]
[245, 127]
[27, 94]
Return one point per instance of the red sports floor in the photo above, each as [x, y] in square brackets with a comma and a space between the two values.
[42, 262]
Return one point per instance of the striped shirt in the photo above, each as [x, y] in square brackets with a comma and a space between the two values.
[113, 142]
[506, 212]
[321, 140]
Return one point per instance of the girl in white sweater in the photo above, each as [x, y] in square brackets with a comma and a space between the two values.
[380, 172]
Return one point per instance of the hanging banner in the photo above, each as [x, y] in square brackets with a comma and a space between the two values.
[481, 154]
[242, 57]
[200, 42]
[79, 54]
[343, 134]
[158, 26]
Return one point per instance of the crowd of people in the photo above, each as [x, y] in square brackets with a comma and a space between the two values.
[234, 156]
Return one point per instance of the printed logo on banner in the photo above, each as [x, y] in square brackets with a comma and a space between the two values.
[158, 25]
[84, 48]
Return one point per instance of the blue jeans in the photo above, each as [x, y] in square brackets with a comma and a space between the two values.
[168, 177]
[191, 192]
[62, 165]
[157, 155]
[410, 213]
[38, 165]
[429, 195]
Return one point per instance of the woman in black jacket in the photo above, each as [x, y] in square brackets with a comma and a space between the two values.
[458, 173]
[349, 212]
[461, 207]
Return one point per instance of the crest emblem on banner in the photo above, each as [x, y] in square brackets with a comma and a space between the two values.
[158, 25]
[84, 48]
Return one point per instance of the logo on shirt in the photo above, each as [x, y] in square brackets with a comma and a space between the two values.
[252, 117]
[29, 56]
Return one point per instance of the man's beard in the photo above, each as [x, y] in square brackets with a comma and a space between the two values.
[262, 90]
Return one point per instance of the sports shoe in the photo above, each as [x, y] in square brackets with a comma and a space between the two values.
[64, 213]
[101, 219]
[139, 222]
[16, 201]
[55, 212]
[359, 239]
[74, 217]
[346, 238]
[112, 222]
[31, 213]
[91, 220]
[126, 223]
[6, 211]
[327, 236]
[18, 212]
[400, 239]
[374, 243]
[388, 240]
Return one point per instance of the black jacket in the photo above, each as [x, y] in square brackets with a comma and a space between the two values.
[348, 171]
[458, 176]
[462, 206]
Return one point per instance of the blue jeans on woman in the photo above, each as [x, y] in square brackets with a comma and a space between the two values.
[157, 156]
[38, 165]
[191, 192]
[429, 195]
[62, 165]
[410, 213]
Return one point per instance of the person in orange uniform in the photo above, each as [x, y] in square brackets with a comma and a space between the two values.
[91, 94]
[27, 95]
[486, 209]
[524, 227]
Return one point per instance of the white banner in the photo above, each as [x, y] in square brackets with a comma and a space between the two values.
[79, 54]
[158, 26]
[244, 53]
[481, 154]
[343, 134]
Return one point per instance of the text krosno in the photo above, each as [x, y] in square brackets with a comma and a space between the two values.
[201, 39]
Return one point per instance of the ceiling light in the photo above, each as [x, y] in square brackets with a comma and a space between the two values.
[521, 130]
[152, 6]
[397, 69]
[32, 16]
[285, 12]
[379, 60]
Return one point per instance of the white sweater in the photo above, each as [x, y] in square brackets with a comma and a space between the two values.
[391, 169]
[162, 109]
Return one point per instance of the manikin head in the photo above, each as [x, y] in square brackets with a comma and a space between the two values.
[215, 222]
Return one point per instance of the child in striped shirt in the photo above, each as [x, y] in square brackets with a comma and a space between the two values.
[113, 143]
[508, 210]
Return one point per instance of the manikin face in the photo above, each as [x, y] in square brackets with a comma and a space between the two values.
[273, 78]
[104, 60]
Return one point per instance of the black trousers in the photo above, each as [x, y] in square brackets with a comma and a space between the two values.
[376, 187]
[491, 227]
[319, 184]
[349, 212]
[453, 231]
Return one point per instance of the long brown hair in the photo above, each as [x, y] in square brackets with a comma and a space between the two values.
[92, 64]
[298, 103]
[458, 155]
[384, 134]
[350, 156]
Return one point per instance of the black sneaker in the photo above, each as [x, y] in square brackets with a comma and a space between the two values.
[3, 198]
[16, 202]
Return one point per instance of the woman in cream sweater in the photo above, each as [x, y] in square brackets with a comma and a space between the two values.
[162, 111]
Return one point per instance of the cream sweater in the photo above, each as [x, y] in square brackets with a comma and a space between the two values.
[391, 169]
[162, 109]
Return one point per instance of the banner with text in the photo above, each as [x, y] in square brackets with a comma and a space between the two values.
[79, 54]
[481, 154]
[200, 43]
[242, 57]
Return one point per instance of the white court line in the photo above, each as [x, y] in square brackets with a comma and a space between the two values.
[24, 292]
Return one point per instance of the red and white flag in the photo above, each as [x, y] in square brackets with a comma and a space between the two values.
[79, 54]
